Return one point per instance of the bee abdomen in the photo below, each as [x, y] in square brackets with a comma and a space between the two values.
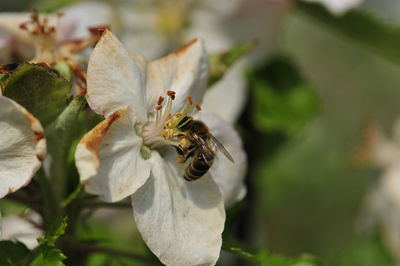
[196, 169]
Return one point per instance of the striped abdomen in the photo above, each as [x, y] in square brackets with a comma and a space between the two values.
[198, 166]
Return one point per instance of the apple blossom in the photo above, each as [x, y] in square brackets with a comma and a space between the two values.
[22, 146]
[131, 152]
[383, 202]
[22, 228]
[54, 37]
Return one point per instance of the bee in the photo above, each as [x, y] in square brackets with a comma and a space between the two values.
[200, 145]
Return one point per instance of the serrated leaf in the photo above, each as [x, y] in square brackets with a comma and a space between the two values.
[55, 229]
[46, 254]
[222, 62]
[12, 253]
[281, 99]
[49, 257]
[362, 27]
[41, 90]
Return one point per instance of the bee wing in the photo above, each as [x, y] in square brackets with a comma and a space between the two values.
[222, 148]
[204, 148]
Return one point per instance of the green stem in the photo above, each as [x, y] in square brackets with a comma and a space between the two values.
[59, 143]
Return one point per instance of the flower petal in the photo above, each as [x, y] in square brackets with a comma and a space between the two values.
[180, 221]
[22, 146]
[184, 71]
[232, 84]
[228, 176]
[17, 228]
[108, 158]
[115, 80]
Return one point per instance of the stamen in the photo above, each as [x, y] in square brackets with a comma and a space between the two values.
[198, 107]
[171, 94]
[160, 100]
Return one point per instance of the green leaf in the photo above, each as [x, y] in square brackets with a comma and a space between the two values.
[41, 90]
[265, 258]
[221, 62]
[55, 229]
[49, 257]
[12, 253]
[281, 99]
[359, 26]
[46, 254]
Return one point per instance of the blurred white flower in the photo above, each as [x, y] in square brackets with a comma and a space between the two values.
[383, 202]
[22, 228]
[50, 38]
[338, 7]
[22, 146]
[131, 153]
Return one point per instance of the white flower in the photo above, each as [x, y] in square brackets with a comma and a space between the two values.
[338, 7]
[22, 146]
[22, 228]
[54, 37]
[130, 153]
[383, 202]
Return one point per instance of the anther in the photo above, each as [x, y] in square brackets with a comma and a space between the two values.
[160, 100]
[158, 107]
[22, 26]
[190, 100]
[198, 107]
[171, 93]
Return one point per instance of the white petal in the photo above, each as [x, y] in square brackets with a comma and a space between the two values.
[181, 222]
[338, 7]
[228, 96]
[22, 146]
[228, 176]
[184, 71]
[115, 80]
[15, 227]
[108, 158]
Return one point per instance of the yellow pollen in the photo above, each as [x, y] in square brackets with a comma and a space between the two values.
[185, 143]
[180, 159]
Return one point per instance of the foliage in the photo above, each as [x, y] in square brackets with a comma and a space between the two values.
[282, 99]
[40, 89]
[47, 254]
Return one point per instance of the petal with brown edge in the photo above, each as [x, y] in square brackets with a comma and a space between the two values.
[22, 146]
[108, 158]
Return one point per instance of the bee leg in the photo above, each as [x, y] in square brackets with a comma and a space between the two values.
[190, 154]
[180, 158]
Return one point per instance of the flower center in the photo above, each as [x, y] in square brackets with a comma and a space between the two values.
[165, 129]
[44, 36]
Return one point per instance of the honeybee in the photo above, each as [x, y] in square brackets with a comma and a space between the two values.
[201, 147]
